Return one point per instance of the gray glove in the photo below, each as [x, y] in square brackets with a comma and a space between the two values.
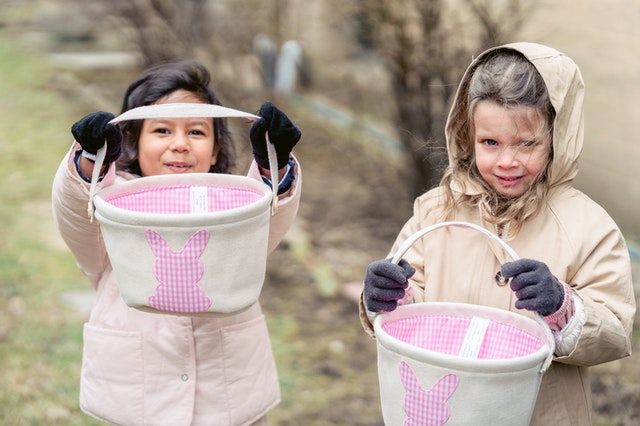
[535, 287]
[385, 283]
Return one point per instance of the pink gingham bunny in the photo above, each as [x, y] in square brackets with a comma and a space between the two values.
[178, 274]
[426, 407]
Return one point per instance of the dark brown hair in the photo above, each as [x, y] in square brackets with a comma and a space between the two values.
[158, 82]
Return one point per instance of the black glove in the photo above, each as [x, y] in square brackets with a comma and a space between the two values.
[385, 283]
[535, 287]
[92, 130]
[282, 133]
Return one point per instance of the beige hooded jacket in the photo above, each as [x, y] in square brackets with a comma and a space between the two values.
[142, 368]
[574, 236]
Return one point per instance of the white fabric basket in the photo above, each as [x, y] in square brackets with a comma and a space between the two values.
[191, 244]
[460, 364]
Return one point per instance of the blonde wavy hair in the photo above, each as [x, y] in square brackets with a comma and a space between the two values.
[506, 77]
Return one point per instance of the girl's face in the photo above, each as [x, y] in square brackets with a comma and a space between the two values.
[176, 145]
[510, 151]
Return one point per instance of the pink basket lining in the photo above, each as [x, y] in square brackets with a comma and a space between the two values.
[445, 334]
[177, 199]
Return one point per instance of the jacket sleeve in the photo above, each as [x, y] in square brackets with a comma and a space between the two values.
[70, 198]
[288, 204]
[604, 286]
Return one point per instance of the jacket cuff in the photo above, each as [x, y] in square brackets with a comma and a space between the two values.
[560, 318]
[567, 338]
[289, 176]
[72, 161]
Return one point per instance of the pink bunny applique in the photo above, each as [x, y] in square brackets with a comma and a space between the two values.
[178, 274]
[426, 407]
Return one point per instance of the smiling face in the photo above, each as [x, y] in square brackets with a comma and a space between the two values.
[511, 150]
[176, 145]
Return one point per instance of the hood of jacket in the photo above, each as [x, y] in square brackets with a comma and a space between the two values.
[566, 90]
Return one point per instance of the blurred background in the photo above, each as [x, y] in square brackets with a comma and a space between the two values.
[369, 82]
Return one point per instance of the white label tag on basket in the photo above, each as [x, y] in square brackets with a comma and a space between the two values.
[199, 199]
[474, 337]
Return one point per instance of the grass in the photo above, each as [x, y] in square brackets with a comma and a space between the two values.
[40, 338]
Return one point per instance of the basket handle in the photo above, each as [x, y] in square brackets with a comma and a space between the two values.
[415, 237]
[422, 232]
[183, 110]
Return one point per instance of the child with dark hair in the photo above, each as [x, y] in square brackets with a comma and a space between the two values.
[148, 368]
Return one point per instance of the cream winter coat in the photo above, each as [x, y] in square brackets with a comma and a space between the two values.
[141, 368]
[574, 236]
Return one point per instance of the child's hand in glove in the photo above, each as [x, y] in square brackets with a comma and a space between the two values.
[92, 130]
[385, 283]
[282, 133]
[535, 287]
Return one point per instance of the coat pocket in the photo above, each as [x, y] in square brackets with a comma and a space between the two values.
[244, 367]
[251, 369]
[112, 378]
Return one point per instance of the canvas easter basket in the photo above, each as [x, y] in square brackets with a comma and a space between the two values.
[459, 364]
[189, 244]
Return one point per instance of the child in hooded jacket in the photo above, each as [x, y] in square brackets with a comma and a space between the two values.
[514, 135]
[146, 368]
